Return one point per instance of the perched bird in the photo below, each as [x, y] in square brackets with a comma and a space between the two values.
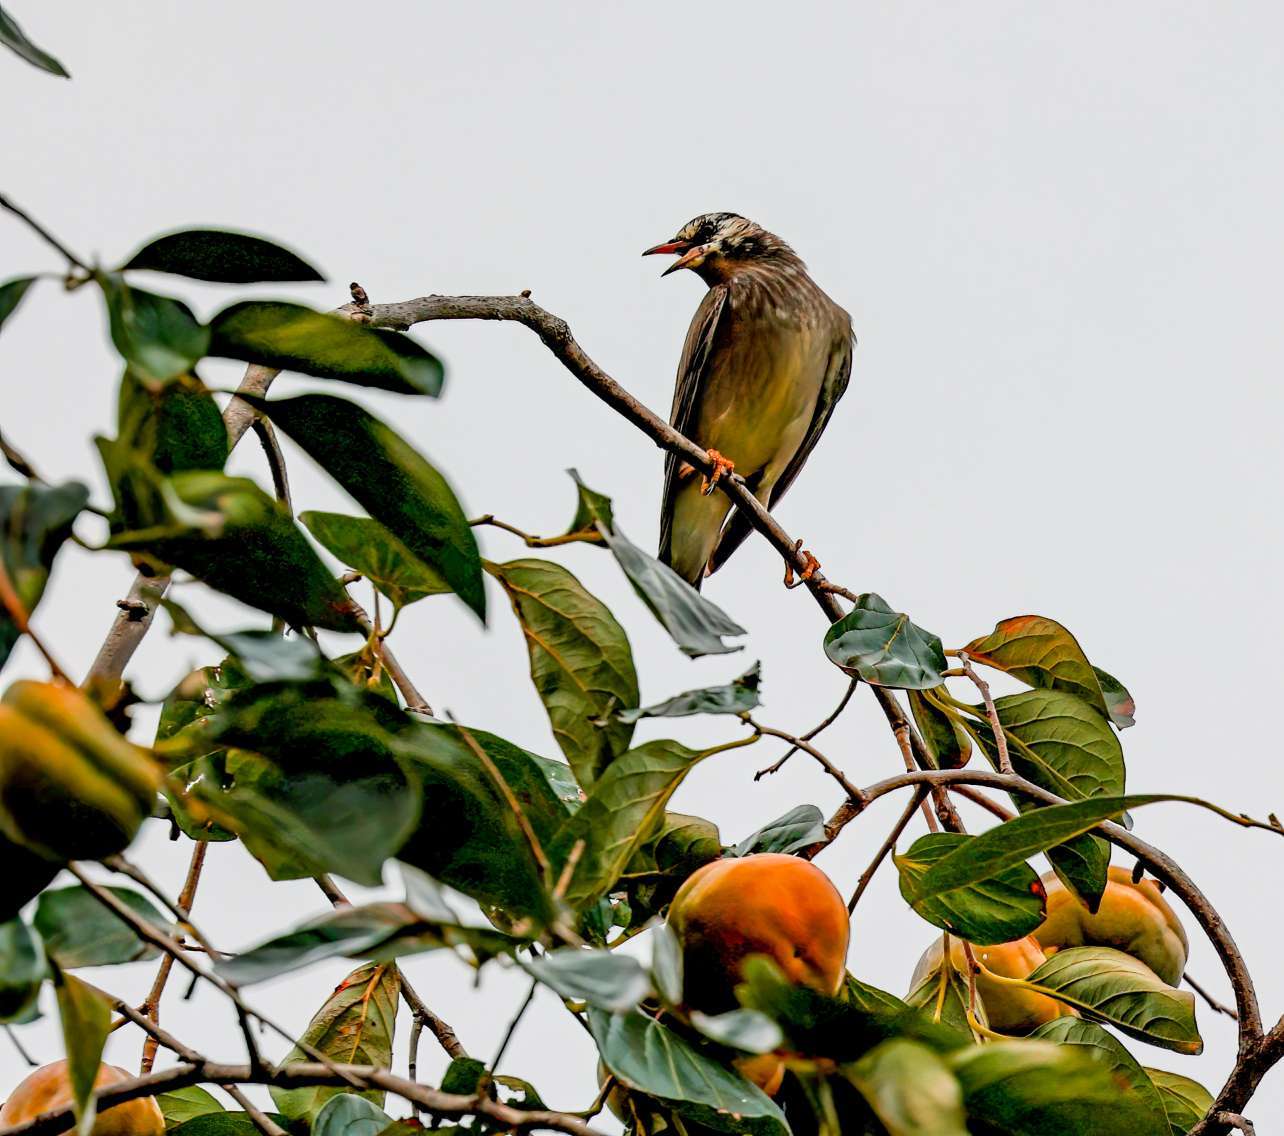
[766, 359]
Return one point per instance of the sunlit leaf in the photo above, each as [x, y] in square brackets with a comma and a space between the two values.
[734, 697]
[79, 931]
[369, 548]
[1119, 702]
[156, 335]
[884, 648]
[581, 663]
[392, 480]
[910, 1088]
[355, 1026]
[181, 1105]
[291, 337]
[1117, 989]
[13, 38]
[1185, 1102]
[221, 257]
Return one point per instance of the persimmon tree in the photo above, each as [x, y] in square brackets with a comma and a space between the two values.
[329, 764]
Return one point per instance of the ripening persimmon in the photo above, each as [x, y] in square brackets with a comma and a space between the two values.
[49, 1087]
[778, 906]
[1008, 1009]
[1133, 918]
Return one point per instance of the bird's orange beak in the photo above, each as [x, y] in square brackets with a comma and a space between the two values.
[668, 247]
[692, 258]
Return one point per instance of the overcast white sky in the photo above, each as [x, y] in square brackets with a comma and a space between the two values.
[1058, 232]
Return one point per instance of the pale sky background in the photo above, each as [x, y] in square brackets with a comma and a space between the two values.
[1058, 232]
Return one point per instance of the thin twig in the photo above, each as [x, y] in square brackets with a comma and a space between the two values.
[886, 847]
[988, 803]
[1000, 734]
[44, 234]
[853, 793]
[258, 1118]
[512, 1028]
[275, 459]
[814, 732]
[13, 1038]
[587, 536]
[1213, 1003]
[414, 700]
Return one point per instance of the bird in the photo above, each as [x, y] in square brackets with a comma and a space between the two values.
[766, 359]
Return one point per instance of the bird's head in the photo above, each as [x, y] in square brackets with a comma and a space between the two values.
[717, 245]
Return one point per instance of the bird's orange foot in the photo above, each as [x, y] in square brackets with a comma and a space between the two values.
[721, 466]
[810, 567]
[685, 471]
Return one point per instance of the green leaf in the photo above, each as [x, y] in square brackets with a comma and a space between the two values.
[381, 931]
[86, 1020]
[884, 648]
[666, 964]
[1185, 1101]
[581, 663]
[310, 775]
[1119, 703]
[156, 335]
[1007, 906]
[650, 1058]
[35, 520]
[12, 291]
[355, 1026]
[694, 622]
[393, 482]
[946, 739]
[22, 969]
[1013, 841]
[350, 1115]
[612, 982]
[943, 994]
[1124, 1070]
[623, 809]
[13, 38]
[380, 557]
[232, 536]
[910, 1089]
[1115, 988]
[291, 337]
[79, 931]
[221, 257]
[561, 780]
[801, 827]
[468, 836]
[181, 1105]
[748, 1030]
[1028, 1088]
[1041, 653]
[223, 1124]
[735, 697]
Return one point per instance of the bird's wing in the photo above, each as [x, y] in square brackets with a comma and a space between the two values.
[686, 397]
[837, 373]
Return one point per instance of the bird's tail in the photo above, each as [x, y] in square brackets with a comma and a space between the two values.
[690, 532]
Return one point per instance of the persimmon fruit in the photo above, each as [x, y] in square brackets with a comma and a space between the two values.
[49, 1087]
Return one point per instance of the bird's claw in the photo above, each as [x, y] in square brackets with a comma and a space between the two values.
[721, 466]
[810, 567]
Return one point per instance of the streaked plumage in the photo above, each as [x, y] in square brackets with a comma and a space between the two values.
[766, 359]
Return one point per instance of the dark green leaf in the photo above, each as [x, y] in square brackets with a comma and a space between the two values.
[1013, 841]
[181, 1105]
[1115, 988]
[156, 335]
[735, 697]
[748, 1030]
[468, 836]
[220, 257]
[884, 648]
[581, 663]
[910, 1088]
[1041, 653]
[650, 1058]
[291, 337]
[1007, 906]
[946, 739]
[22, 969]
[610, 981]
[666, 964]
[801, 827]
[35, 520]
[355, 1025]
[1119, 703]
[25, 876]
[231, 535]
[1124, 1070]
[696, 624]
[392, 480]
[224, 1124]
[86, 1018]
[12, 37]
[79, 931]
[350, 1115]
[561, 780]
[623, 809]
[380, 557]
[12, 291]
[1028, 1088]
[1185, 1101]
